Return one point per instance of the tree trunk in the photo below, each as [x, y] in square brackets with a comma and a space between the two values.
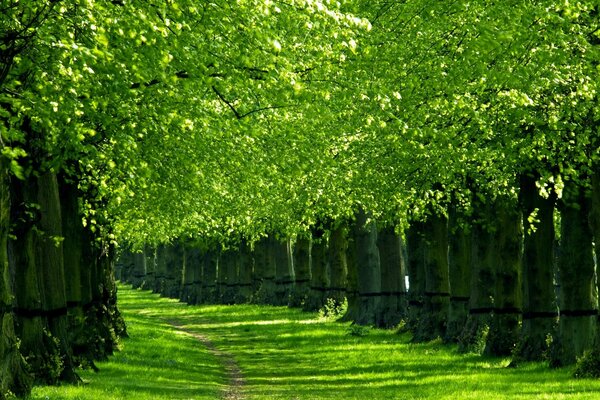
[160, 273]
[578, 299]
[540, 312]
[40, 293]
[302, 275]
[150, 267]
[319, 283]
[505, 324]
[481, 303]
[138, 275]
[415, 248]
[13, 375]
[284, 271]
[266, 271]
[191, 277]
[230, 258]
[459, 266]
[209, 277]
[369, 270]
[393, 270]
[174, 270]
[338, 268]
[437, 284]
[595, 226]
[246, 267]
[352, 294]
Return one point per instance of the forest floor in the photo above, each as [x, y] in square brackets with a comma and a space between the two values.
[254, 352]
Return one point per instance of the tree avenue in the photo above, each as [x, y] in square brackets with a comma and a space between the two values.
[304, 153]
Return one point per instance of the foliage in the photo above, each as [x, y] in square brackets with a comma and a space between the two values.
[333, 309]
[588, 365]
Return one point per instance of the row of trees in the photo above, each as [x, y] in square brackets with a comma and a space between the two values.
[460, 125]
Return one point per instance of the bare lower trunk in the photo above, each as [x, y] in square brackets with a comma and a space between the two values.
[302, 276]
[266, 292]
[209, 277]
[319, 283]
[393, 270]
[505, 324]
[174, 270]
[338, 265]
[13, 375]
[246, 269]
[415, 247]
[191, 279]
[540, 312]
[578, 299]
[437, 284]
[284, 271]
[369, 270]
[160, 273]
[459, 267]
[150, 267]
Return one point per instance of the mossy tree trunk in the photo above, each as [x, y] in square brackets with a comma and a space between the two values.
[369, 270]
[459, 267]
[505, 324]
[540, 312]
[301, 255]
[352, 294]
[415, 248]
[578, 298]
[266, 271]
[284, 272]
[13, 375]
[40, 293]
[319, 282]
[191, 278]
[338, 264]
[393, 271]
[138, 275]
[437, 283]
[231, 261]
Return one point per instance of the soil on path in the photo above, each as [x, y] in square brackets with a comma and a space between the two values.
[235, 378]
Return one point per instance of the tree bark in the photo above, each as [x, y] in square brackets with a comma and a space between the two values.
[230, 258]
[246, 267]
[505, 324]
[577, 299]
[209, 277]
[284, 271]
[540, 311]
[369, 270]
[338, 265]
[415, 248]
[319, 278]
[160, 273]
[481, 304]
[138, 274]
[459, 266]
[150, 267]
[191, 278]
[393, 271]
[13, 375]
[174, 270]
[437, 284]
[302, 275]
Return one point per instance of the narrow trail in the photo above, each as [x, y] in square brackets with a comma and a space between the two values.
[232, 369]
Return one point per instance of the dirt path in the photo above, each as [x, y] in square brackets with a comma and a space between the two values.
[232, 369]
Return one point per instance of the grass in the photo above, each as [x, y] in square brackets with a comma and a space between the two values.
[288, 354]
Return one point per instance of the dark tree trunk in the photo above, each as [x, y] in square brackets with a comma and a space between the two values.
[338, 264]
[459, 266]
[437, 284]
[138, 275]
[505, 324]
[578, 299]
[393, 271]
[415, 248]
[284, 272]
[246, 267]
[174, 270]
[40, 293]
[352, 293]
[302, 275]
[150, 267]
[540, 312]
[481, 299]
[369, 270]
[319, 283]
[126, 265]
[160, 273]
[209, 277]
[595, 226]
[13, 375]
[230, 258]
[266, 292]
[191, 278]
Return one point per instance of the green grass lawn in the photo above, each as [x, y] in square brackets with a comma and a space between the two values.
[288, 354]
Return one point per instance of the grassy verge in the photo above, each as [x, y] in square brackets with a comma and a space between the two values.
[156, 362]
[288, 354]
